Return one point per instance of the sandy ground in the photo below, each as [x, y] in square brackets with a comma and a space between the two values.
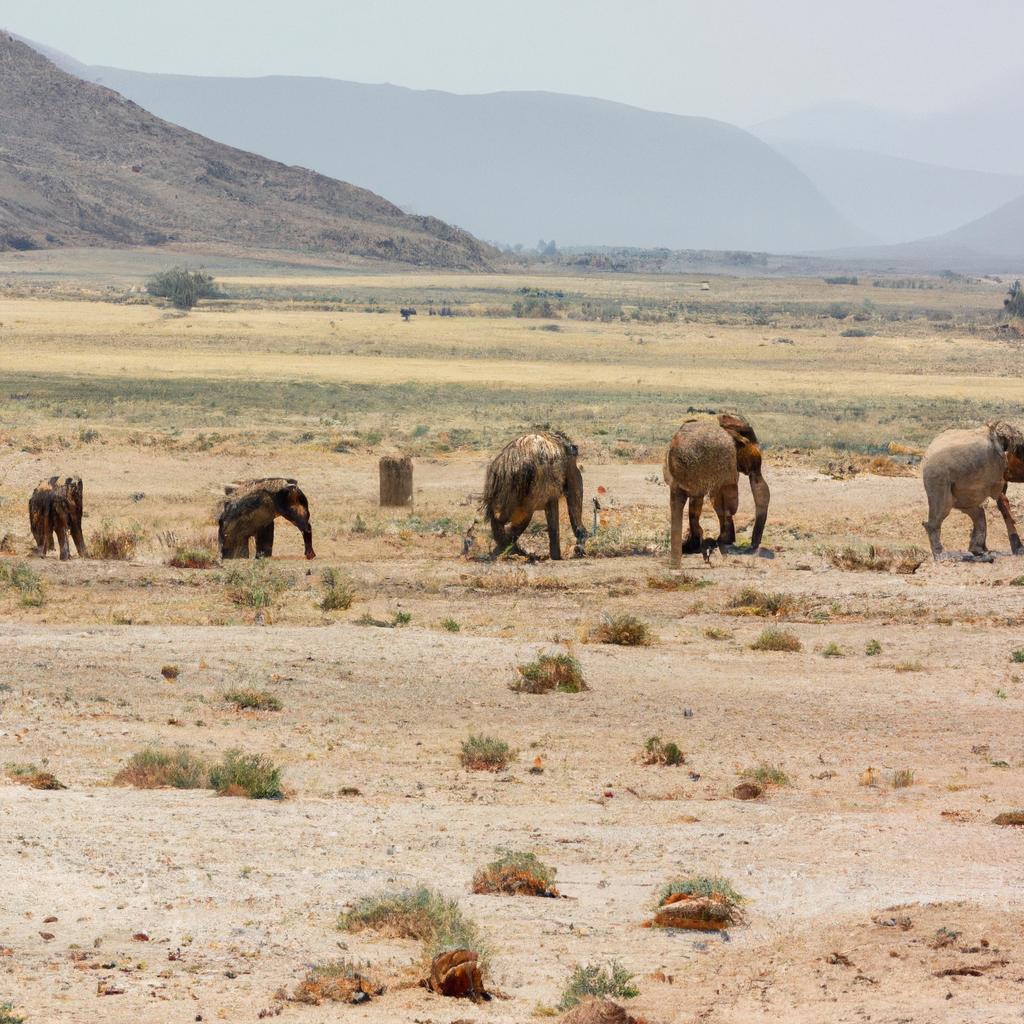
[238, 897]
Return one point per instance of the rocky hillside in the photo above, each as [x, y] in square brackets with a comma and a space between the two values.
[82, 165]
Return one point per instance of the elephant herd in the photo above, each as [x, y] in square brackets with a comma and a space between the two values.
[961, 468]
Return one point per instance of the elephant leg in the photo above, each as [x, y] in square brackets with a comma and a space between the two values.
[979, 532]
[76, 536]
[727, 501]
[40, 538]
[940, 504]
[554, 541]
[265, 541]
[677, 501]
[61, 526]
[1003, 504]
[692, 543]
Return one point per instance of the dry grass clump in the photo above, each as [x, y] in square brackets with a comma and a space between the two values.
[115, 543]
[1013, 819]
[658, 752]
[485, 753]
[624, 630]
[336, 981]
[250, 775]
[698, 903]
[598, 982]
[257, 584]
[8, 1016]
[882, 465]
[902, 777]
[515, 874]
[419, 913]
[510, 581]
[338, 592]
[875, 559]
[683, 581]
[156, 768]
[23, 578]
[34, 777]
[560, 672]
[766, 774]
[832, 650]
[195, 552]
[253, 700]
[751, 601]
[777, 640]
[714, 633]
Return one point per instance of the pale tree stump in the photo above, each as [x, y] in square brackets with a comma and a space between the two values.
[395, 481]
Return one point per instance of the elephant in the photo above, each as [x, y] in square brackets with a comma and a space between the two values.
[56, 507]
[528, 474]
[961, 468]
[705, 458]
[250, 511]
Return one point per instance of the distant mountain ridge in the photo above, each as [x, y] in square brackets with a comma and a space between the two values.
[82, 165]
[513, 166]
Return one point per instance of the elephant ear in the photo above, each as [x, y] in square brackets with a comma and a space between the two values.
[740, 430]
[1008, 437]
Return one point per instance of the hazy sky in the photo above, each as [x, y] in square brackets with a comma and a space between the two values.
[740, 60]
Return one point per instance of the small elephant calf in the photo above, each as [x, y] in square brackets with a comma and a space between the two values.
[56, 507]
[250, 511]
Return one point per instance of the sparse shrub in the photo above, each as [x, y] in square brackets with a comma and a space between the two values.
[624, 630]
[257, 584]
[876, 559]
[766, 775]
[183, 287]
[450, 625]
[8, 1016]
[714, 633]
[33, 777]
[251, 775]
[908, 666]
[751, 601]
[700, 902]
[832, 650]
[516, 874]
[777, 640]
[600, 982]
[170, 672]
[1017, 656]
[253, 700]
[419, 913]
[1014, 301]
[699, 885]
[683, 581]
[401, 618]
[338, 592]
[902, 777]
[194, 555]
[873, 648]
[658, 752]
[485, 753]
[115, 543]
[560, 672]
[23, 578]
[155, 768]
[855, 332]
[336, 981]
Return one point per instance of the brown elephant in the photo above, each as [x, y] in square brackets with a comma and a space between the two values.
[56, 507]
[705, 458]
[529, 474]
[250, 511]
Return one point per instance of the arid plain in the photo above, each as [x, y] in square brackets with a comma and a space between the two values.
[875, 883]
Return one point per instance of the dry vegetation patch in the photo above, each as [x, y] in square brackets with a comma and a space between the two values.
[624, 630]
[752, 601]
[485, 753]
[777, 640]
[597, 981]
[250, 775]
[34, 777]
[875, 559]
[561, 672]
[1013, 819]
[658, 751]
[337, 981]
[516, 873]
[116, 543]
[698, 903]
[157, 768]
[253, 700]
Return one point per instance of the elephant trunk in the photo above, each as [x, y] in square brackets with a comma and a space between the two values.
[762, 496]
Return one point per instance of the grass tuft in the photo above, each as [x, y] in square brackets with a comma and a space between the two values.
[515, 873]
[658, 752]
[766, 775]
[450, 625]
[624, 630]
[253, 700]
[699, 885]
[485, 753]
[257, 584]
[777, 640]
[751, 601]
[338, 592]
[873, 648]
[902, 778]
[115, 543]
[23, 578]
[561, 672]
[832, 650]
[156, 768]
[599, 982]
[336, 981]
[251, 775]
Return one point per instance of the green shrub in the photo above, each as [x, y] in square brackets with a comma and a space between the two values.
[251, 775]
[253, 700]
[183, 287]
[751, 601]
[624, 630]
[485, 753]
[516, 873]
[8, 1016]
[401, 618]
[766, 775]
[257, 584]
[611, 981]
[873, 648]
[450, 625]
[338, 592]
[1017, 655]
[155, 768]
[700, 885]
[657, 752]
[193, 557]
[1014, 301]
[23, 578]
[776, 640]
[560, 672]
[832, 650]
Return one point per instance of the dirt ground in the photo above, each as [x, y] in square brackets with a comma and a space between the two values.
[863, 902]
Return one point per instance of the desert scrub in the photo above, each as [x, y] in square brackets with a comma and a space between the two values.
[560, 672]
[624, 630]
[684, 581]
[699, 885]
[751, 601]
[337, 981]
[32, 776]
[1017, 656]
[902, 778]
[601, 982]
[873, 648]
[832, 650]
[777, 640]
[515, 873]
[24, 579]
[115, 543]
[8, 1016]
[766, 774]
[699, 902]
[251, 775]
[450, 625]
[337, 592]
[156, 768]
[485, 753]
[253, 700]
[257, 584]
[419, 913]
[193, 556]
[656, 751]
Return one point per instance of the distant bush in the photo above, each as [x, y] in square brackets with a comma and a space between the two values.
[658, 752]
[256, 585]
[251, 775]
[338, 592]
[485, 753]
[115, 543]
[841, 279]
[253, 700]
[1014, 301]
[599, 982]
[855, 332]
[154, 768]
[183, 287]
[624, 630]
[776, 640]
[550, 672]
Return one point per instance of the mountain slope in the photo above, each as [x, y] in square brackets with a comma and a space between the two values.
[1000, 232]
[81, 165]
[515, 166]
[898, 200]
